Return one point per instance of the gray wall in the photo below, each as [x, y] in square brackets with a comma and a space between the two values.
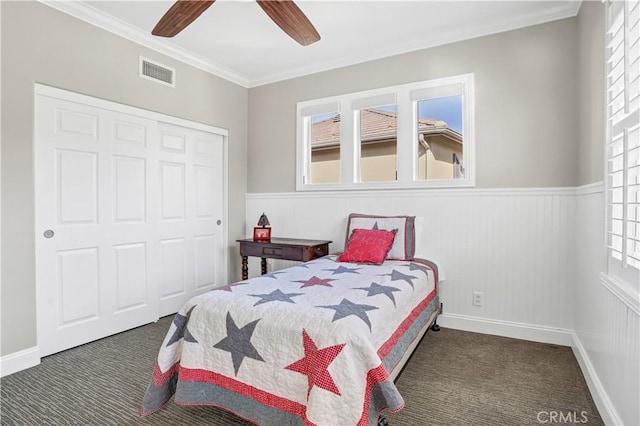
[526, 111]
[42, 45]
[591, 28]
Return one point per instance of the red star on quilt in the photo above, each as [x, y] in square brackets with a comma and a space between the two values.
[315, 281]
[228, 287]
[223, 288]
[315, 363]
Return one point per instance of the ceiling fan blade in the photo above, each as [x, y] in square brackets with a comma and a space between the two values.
[179, 16]
[290, 18]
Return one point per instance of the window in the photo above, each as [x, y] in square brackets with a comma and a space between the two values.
[623, 142]
[378, 141]
[324, 134]
[412, 135]
[440, 132]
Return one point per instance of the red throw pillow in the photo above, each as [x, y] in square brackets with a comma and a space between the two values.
[368, 246]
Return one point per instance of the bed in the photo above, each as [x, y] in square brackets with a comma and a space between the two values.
[319, 343]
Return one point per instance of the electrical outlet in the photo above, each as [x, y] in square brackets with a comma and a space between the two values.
[478, 298]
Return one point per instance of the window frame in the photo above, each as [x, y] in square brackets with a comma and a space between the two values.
[350, 104]
[622, 278]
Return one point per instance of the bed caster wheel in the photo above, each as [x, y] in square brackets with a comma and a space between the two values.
[435, 327]
[382, 421]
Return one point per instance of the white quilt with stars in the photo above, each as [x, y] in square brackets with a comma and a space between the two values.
[312, 344]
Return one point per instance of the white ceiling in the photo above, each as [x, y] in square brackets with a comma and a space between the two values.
[237, 41]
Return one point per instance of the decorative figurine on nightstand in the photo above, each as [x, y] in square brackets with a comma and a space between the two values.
[262, 232]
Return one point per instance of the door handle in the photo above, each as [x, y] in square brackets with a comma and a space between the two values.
[48, 233]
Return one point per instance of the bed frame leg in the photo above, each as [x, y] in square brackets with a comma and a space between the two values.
[382, 421]
[435, 326]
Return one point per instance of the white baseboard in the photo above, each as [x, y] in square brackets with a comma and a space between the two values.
[19, 361]
[598, 393]
[534, 333]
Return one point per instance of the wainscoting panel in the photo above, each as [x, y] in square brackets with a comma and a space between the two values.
[512, 245]
[606, 330]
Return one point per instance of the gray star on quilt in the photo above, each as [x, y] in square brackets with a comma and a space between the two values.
[273, 274]
[418, 267]
[347, 308]
[302, 265]
[275, 295]
[343, 270]
[375, 289]
[238, 342]
[181, 321]
[399, 276]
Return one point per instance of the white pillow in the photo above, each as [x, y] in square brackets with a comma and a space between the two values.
[404, 244]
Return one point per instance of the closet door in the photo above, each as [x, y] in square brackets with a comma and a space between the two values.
[189, 231]
[127, 214]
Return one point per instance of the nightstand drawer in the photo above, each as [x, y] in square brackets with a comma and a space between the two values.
[288, 253]
[273, 252]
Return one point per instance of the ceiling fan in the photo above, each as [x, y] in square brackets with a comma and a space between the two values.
[284, 13]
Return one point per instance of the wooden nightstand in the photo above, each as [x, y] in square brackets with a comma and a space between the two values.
[280, 248]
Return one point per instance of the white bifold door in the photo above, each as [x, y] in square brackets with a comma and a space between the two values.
[130, 216]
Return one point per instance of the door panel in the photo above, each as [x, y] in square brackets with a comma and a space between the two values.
[205, 250]
[78, 279]
[73, 123]
[77, 187]
[130, 192]
[173, 142]
[129, 132]
[172, 181]
[173, 268]
[131, 275]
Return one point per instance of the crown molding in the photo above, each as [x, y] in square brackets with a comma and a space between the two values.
[93, 16]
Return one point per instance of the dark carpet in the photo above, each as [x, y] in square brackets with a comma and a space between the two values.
[453, 378]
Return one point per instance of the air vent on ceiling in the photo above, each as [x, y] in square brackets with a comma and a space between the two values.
[157, 72]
